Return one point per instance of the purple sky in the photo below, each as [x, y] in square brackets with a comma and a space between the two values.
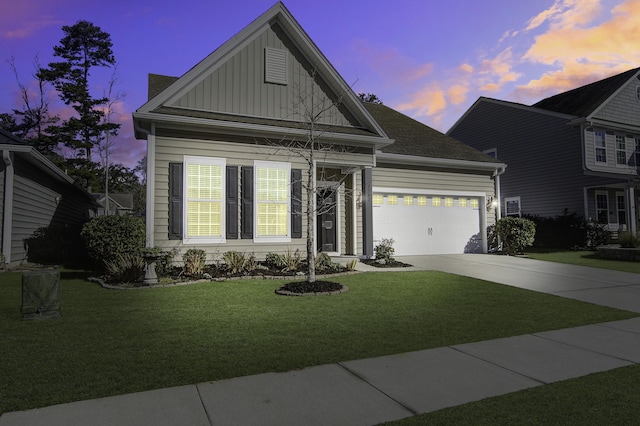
[430, 59]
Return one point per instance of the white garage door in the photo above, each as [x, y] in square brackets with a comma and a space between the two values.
[426, 224]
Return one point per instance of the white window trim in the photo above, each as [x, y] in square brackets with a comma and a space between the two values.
[272, 165]
[606, 194]
[512, 199]
[596, 147]
[222, 162]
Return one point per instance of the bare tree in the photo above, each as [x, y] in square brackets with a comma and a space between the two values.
[35, 116]
[313, 107]
[110, 129]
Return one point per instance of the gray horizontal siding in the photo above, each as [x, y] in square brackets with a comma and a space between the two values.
[543, 155]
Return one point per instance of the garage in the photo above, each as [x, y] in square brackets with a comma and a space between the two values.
[428, 223]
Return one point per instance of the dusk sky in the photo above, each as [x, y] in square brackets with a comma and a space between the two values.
[430, 59]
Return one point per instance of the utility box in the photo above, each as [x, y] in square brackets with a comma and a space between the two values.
[40, 294]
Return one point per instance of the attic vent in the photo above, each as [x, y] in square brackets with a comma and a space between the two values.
[275, 66]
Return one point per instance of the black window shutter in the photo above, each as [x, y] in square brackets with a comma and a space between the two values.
[175, 201]
[246, 212]
[296, 203]
[232, 203]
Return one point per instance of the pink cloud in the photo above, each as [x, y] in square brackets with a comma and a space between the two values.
[391, 63]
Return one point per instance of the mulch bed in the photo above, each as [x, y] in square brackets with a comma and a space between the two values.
[303, 288]
[392, 264]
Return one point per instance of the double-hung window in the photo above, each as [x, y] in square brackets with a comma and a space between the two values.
[621, 150]
[272, 201]
[204, 189]
[601, 146]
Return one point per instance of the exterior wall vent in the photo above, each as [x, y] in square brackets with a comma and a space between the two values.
[276, 67]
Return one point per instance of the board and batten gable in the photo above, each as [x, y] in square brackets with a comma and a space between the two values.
[238, 85]
[540, 149]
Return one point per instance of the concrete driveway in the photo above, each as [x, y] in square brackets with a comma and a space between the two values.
[600, 286]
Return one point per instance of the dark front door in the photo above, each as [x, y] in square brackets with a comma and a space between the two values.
[326, 209]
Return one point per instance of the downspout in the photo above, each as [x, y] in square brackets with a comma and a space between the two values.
[496, 176]
[7, 206]
[151, 182]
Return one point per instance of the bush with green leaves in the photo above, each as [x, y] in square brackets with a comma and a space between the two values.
[274, 260]
[385, 251]
[235, 262]
[163, 259]
[106, 237]
[323, 261]
[194, 261]
[516, 233]
[292, 260]
[629, 240]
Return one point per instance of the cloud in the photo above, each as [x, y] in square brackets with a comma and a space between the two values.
[581, 45]
[495, 73]
[391, 63]
[427, 102]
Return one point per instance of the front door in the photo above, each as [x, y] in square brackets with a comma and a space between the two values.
[326, 220]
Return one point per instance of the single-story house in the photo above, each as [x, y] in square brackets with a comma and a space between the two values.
[118, 204]
[34, 194]
[230, 164]
[577, 151]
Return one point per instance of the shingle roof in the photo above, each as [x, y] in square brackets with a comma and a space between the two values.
[584, 100]
[417, 139]
[157, 83]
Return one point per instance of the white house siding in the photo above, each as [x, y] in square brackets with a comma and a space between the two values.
[171, 149]
[611, 165]
[238, 86]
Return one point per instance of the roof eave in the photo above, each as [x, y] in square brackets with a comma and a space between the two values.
[253, 130]
[449, 163]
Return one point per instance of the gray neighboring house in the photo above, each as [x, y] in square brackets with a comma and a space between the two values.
[119, 203]
[221, 179]
[34, 193]
[578, 150]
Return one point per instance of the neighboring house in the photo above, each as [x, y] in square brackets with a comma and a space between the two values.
[578, 150]
[34, 193]
[119, 204]
[222, 178]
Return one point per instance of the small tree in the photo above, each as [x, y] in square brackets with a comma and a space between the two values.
[516, 233]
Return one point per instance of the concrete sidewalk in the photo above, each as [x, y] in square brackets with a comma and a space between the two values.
[370, 391]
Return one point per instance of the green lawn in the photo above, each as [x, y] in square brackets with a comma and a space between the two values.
[119, 341]
[583, 258]
[609, 398]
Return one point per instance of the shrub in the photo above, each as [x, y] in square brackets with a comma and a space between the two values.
[323, 261]
[628, 240]
[516, 233]
[292, 260]
[194, 261]
[125, 268]
[274, 260]
[106, 237]
[351, 265]
[235, 261]
[385, 251]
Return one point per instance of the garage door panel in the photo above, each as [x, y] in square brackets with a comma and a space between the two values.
[429, 229]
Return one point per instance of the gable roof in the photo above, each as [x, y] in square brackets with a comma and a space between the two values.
[164, 90]
[416, 139]
[585, 100]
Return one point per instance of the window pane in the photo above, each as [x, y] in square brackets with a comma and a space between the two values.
[408, 200]
[392, 200]
[422, 201]
[204, 181]
[272, 185]
[448, 202]
[436, 201]
[204, 219]
[272, 220]
[474, 203]
[462, 202]
[377, 199]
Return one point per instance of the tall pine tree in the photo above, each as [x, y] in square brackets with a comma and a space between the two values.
[84, 47]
